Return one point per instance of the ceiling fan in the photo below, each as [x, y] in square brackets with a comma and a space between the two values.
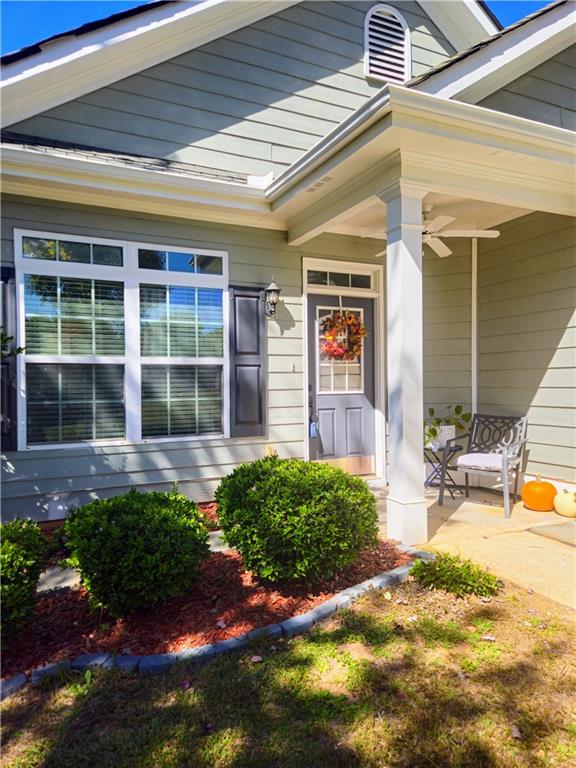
[434, 229]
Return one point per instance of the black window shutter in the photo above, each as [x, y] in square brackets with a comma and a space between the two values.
[247, 362]
[8, 366]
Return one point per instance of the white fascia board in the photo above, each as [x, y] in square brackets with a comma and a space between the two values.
[114, 185]
[72, 66]
[425, 108]
[435, 109]
[358, 122]
[463, 23]
[505, 58]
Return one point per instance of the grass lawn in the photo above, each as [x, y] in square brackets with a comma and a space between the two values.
[418, 680]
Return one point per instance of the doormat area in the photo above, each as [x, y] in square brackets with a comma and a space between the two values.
[564, 532]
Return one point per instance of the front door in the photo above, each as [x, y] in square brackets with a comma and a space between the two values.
[341, 382]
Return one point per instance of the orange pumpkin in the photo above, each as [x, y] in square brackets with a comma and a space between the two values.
[539, 495]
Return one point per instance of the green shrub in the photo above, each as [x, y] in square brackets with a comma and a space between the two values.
[137, 549]
[22, 553]
[452, 574]
[291, 519]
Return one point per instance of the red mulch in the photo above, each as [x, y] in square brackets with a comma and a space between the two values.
[209, 510]
[64, 626]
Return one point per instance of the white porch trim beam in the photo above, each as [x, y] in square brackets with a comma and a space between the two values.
[431, 117]
[348, 199]
[407, 513]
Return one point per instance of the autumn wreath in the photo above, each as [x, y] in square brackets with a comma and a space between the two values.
[341, 336]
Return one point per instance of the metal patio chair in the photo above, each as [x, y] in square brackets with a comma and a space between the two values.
[495, 447]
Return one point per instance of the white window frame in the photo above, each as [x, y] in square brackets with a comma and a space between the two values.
[407, 43]
[132, 276]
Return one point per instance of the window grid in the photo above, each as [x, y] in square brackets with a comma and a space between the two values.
[131, 359]
[338, 367]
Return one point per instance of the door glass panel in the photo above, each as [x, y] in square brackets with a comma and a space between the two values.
[339, 349]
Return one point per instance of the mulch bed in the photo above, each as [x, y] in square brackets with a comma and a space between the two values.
[225, 602]
[209, 511]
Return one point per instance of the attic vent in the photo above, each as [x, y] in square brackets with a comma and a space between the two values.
[386, 45]
[318, 184]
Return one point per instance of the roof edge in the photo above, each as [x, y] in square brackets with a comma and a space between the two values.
[82, 29]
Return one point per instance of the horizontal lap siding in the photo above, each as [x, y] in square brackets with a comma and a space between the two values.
[527, 335]
[250, 102]
[447, 328]
[547, 93]
[43, 483]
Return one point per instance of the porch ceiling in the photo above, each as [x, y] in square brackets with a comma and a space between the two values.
[468, 214]
[481, 166]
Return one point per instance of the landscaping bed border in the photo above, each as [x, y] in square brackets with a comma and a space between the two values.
[160, 662]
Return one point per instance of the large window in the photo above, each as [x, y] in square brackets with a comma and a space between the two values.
[123, 341]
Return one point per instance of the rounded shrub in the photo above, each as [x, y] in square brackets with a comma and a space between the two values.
[293, 520]
[137, 549]
[22, 554]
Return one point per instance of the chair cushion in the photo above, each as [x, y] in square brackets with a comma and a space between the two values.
[488, 461]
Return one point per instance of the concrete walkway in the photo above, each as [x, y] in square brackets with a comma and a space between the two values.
[476, 528]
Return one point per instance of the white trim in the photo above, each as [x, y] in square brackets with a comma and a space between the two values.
[34, 173]
[505, 58]
[357, 268]
[474, 326]
[376, 293]
[396, 101]
[131, 276]
[71, 66]
[389, 10]
[464, 25]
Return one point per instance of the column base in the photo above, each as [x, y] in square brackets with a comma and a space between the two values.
[407, 521]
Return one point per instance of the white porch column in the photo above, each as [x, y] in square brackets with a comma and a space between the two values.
[406, 506]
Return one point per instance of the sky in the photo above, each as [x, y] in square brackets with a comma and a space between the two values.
[26, 21]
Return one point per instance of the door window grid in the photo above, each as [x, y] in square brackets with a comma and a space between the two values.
[338, 376]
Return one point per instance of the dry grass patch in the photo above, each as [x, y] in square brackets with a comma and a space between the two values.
[420, 679]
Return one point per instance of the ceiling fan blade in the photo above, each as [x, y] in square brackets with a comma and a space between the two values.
[470, 233]
[438, 222]
[439, 248]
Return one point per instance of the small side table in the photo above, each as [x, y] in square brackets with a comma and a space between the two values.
[435, 457]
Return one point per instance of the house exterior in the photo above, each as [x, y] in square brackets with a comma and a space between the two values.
[162, 166]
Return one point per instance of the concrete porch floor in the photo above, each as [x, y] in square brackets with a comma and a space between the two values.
[476, 528]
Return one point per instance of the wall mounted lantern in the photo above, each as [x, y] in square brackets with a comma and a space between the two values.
[272, 296]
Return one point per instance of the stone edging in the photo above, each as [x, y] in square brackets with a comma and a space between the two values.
[156, 663]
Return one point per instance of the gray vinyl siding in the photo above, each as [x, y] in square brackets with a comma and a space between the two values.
[250, 102]
[44, 483]
[527, 335]
[547, 93]
[447, 328]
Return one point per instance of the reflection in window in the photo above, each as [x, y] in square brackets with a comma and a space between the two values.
[73, 316]
[339, 279]
[176, 261]
[181, 400]
[73, 403]
[72, 251]
[179, 321]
